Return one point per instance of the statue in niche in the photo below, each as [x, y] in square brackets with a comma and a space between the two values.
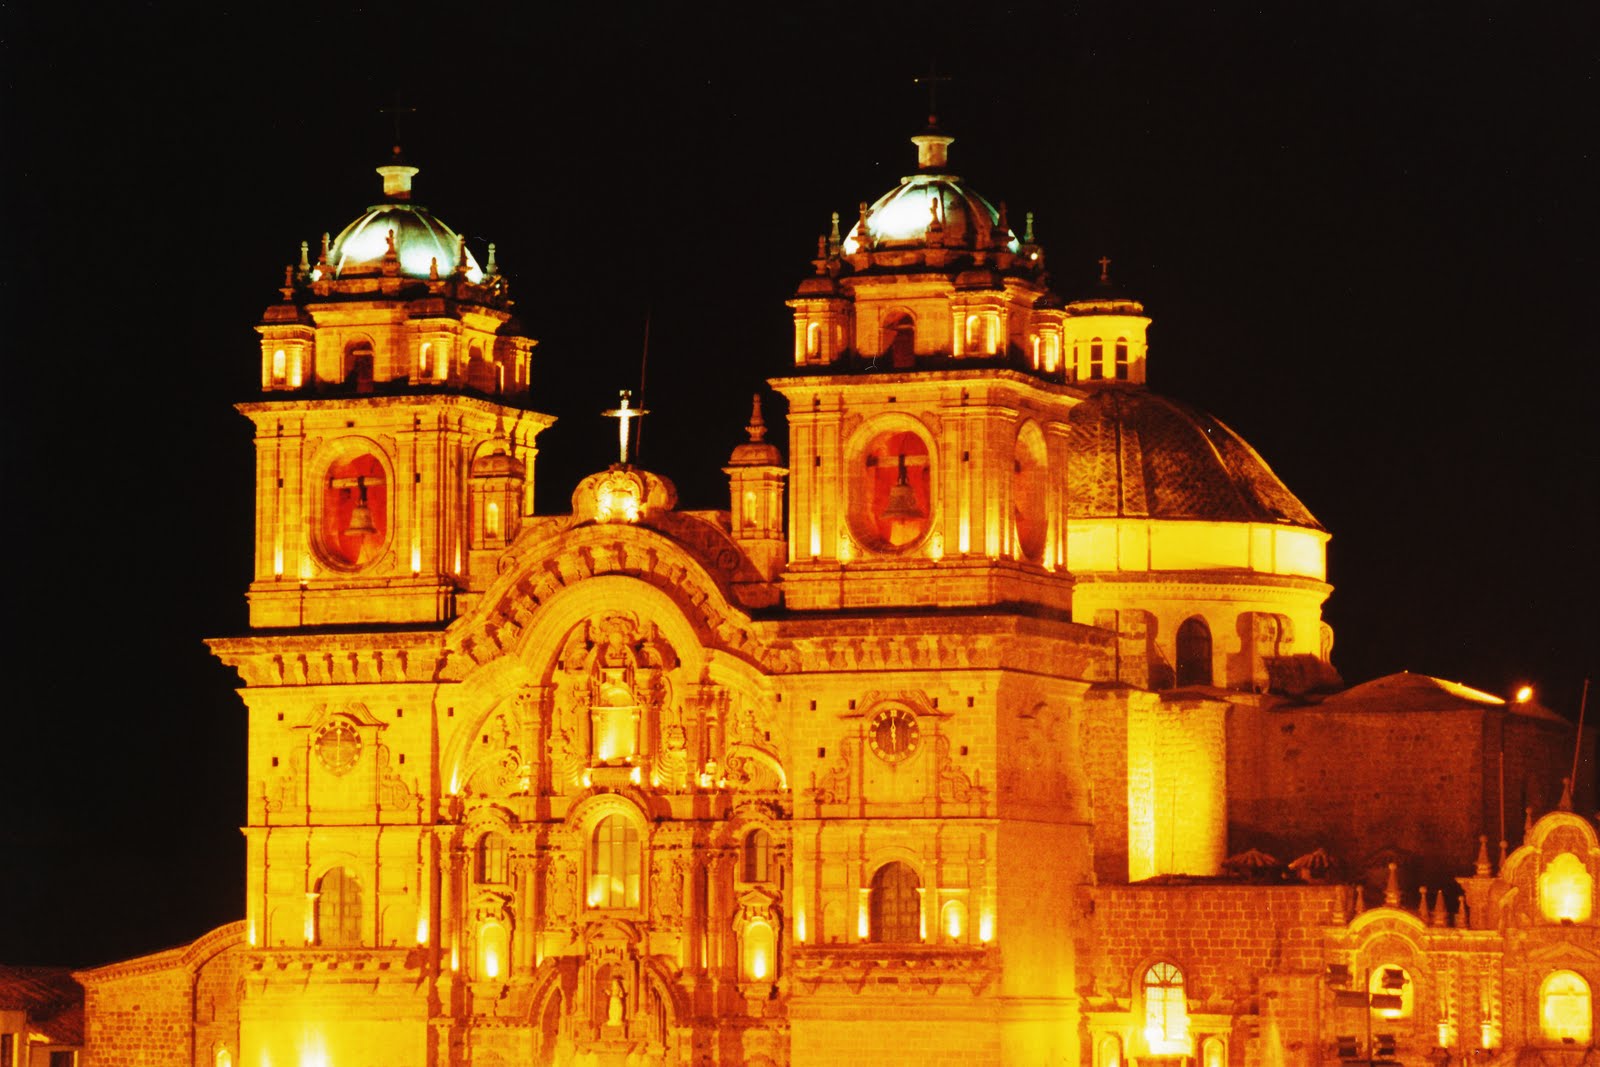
[614, 998]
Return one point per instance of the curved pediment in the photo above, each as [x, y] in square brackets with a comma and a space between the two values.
[537, 574]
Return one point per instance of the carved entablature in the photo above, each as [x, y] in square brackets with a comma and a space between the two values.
[322, 660]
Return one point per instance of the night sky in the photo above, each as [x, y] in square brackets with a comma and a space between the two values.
[1365, 235]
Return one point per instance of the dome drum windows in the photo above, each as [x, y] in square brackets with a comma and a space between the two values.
[283, 359]
[900, 339]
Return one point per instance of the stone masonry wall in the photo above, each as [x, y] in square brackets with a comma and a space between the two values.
[1234, 944]
[142, 1020]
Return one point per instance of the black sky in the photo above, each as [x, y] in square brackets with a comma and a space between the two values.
[1365, 236]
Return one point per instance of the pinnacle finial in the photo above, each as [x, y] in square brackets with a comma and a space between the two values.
[833, 234]
[493, 268]
[1481, 867]
[1027, 235]
[758, 425]
[305, 257]
[1391, 889]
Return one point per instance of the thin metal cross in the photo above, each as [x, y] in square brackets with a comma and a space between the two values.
[397, 110]
[1105, 268]
[932, 80]
[624, 413]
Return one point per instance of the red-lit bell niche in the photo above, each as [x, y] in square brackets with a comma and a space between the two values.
[893, 509]
[1028, 510]
[355, 511]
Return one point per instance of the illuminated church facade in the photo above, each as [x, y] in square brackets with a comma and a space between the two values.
[993, 721]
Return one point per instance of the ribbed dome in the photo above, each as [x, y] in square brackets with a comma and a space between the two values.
[1138, 455]
[422, 243]
[901, 217]
[419, 239]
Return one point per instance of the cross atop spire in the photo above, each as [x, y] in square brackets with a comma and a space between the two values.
[1105, 269]
[624, 413]
[932, 80]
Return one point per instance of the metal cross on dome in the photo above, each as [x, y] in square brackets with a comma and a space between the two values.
[624, 413]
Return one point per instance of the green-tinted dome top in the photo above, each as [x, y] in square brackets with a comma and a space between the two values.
[422, 243]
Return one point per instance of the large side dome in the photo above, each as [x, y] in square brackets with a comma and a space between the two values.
[1138, 455]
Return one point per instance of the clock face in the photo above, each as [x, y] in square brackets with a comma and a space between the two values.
[893, 734]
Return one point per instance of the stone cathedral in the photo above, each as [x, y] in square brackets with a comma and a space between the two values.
[990, 721]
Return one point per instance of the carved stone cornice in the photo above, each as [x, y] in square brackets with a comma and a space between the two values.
[315, 658]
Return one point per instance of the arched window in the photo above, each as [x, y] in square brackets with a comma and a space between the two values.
[1214, 1053]
[494, 950]
[1097, 366]
[813, 339]
[1566, 892]
[758, 856]
[492, 858]
[1566, 1011]
[1394, 982]
[1166, 1010]
[1108, 1053]
[1194, 652]
[895, 914]
[338, 908]
[482, 375]
[953, 920]
[491, 519]
[1122, 359]
[358, 368]
[280, 365]
[224, 1058]
[614, 864]
[900, 339]
[760, 951]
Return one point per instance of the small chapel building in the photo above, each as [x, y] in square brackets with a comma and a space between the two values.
[991, 721]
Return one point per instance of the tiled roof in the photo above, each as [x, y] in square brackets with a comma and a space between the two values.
[51, 997]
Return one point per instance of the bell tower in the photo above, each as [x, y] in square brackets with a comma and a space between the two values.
[928, 406]
[394, 450]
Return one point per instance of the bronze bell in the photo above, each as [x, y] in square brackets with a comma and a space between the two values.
[360, 515]
[902, 503]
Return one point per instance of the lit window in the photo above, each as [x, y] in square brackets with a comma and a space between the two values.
[224, 1058]
[759, 951]
[1166, 1011]
[492, 858]
[1122, 359]
[614, 866]
[338, 908]
[758, 857]
[895, 912]
[493, 950]
[425, 361]
[1194, 652]
[974, 327]
[1108, 1053]
[280, 365]
[1214, 1053]
[1565, 1009]
[491, 519]
[813, 339]
[1566, 891]
[1097, 367]
[1392, 982]
[953, 919]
